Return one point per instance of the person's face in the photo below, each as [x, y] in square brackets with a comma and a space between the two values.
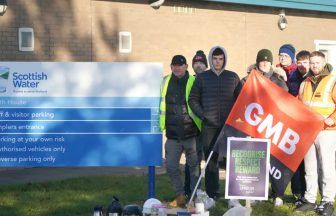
[303, 65]
[179, 70]
[316, 64]
[285, 60]
[199, 67]
[264, 66]
[218, 62]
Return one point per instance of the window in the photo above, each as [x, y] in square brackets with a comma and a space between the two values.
[26, 39]
[125, 42]
[329, 49]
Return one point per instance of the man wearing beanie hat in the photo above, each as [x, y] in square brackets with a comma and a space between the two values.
[199, 65]
[199, 62]
[287, 62]
[264, 66]
[277, 75]
[294, 79]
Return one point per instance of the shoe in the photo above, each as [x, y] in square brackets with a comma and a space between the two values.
[234, 203]
[179, 201]
[328, 209]
[299, 201]
[306, 206]
[215, 196]
[278, 201]
[320, 208]
[254, 202]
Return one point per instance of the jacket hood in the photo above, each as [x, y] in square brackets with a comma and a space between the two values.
[328, 68]
[281, 72]
[210, 58]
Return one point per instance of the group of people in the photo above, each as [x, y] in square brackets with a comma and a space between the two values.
[193, 109]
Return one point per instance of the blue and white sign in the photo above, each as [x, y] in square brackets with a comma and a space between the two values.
[79, 114]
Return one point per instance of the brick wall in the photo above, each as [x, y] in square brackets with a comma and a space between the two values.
[62, 30]
[87, 30]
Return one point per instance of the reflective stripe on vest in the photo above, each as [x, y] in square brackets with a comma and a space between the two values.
[164, 88]
[321, 100]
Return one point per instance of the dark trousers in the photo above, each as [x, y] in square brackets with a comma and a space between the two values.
[208, 138]
[298, 181]
[199, 151]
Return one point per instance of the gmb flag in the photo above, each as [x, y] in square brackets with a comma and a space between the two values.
[264, 110]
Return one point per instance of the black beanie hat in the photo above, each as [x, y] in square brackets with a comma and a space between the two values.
[264, 55]
[200, 57]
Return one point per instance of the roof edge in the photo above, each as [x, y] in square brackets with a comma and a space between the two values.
[322, 5]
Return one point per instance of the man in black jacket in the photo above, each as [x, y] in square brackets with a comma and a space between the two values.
[199, 65]
[211, 99]
[181, 130]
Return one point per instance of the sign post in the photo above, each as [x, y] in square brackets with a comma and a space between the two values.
[151, 182]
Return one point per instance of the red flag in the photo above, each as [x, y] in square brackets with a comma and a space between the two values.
[264, 110]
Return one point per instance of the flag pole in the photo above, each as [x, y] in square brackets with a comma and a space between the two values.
[206, 164]
[200, 177]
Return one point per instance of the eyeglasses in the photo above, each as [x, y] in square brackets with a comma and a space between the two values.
[284, 56]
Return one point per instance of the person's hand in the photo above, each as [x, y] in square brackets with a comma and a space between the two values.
[329, 121]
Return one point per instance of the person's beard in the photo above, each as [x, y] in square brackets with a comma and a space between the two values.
[199, 69]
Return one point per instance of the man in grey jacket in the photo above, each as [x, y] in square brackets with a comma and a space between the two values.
[211, 99]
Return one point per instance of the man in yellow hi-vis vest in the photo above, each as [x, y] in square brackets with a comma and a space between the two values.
[318, 92]
[181, 126]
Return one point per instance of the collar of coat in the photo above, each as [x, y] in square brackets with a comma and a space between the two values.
[279, 71]
[289, 69]
[325, 72]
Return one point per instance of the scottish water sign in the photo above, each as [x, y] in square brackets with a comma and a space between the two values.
[79, 114]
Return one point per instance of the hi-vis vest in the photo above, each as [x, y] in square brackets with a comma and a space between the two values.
[321, 100]
[164, 88]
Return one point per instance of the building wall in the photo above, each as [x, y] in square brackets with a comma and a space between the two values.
[87, 30]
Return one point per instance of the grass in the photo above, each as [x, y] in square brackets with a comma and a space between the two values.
[78, 196]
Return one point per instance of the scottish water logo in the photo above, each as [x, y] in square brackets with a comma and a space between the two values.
[4, 74]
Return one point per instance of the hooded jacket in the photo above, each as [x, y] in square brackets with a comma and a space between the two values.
[213, 94]
[276, 75]
[328, 68]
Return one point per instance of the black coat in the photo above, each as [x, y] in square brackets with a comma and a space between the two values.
[179, 124]
[212, 96]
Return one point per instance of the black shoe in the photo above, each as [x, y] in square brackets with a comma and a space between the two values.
[305, 206]
[299, 202]
[320, 207]
[215, 196]
[328, 209]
